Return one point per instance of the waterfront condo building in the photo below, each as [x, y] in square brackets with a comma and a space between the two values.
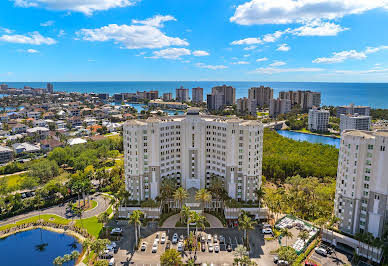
[261, 95]
[167, 96]
[305, 99]
[182, 95]
[362, 183]
[192, 149]
[356, 121]
[245, 105]
[318, 119]
[353, 109]
[220, 97]
[279, 106]
[197, 95]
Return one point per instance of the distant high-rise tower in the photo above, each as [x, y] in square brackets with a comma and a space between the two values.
[197, 95]
[50, 87]
[221, 96]
[182, 94]
[261, 95]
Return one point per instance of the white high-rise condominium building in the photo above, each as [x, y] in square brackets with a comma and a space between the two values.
[318, 119]
[305, 99]
[362, 182]
[353, 109]
[260, 95]
[192, 148]
[359, 122]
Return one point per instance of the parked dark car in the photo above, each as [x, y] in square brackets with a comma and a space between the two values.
[229, 248]
[168, 245]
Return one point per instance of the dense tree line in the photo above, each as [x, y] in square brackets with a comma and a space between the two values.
[379, 114]
[90, 153]
[284, 157]
[308, 198]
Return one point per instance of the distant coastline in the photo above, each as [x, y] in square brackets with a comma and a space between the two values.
[333, 93]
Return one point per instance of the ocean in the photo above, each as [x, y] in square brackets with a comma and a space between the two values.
[371, 94]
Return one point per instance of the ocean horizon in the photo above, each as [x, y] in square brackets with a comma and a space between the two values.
[333, 93]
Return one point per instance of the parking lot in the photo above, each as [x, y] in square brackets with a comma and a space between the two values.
[125, 255]
[335, 258]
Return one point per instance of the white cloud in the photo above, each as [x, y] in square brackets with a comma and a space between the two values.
[247, 55]
[156, 21]
[262, 59]
[283, 47]
[271, 37]
[171, 53]
[358, 72]
[47, 23]
[8, 31]
[61, 33]
[92, 60]
[297, 11]
[30, 51]
[274, 70]
[339, 57]
[252, 47]
[84, 6]
[240, 63]
[200, 53]
[318, 28]
[34, 38]
[131, 36]
[277, 63]
[212, 67]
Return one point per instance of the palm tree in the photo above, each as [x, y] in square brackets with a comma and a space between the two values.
[86, 245]
[135, 219]
[74, 254]
[180, 195]
[246, 223]
[203, 196]
[171, 257]
[332, 222]
[304, 235]
[58, 261]
[185, 215]
[66, 258]
[287, 234]
[103, 218]
[259, 194]
[321, 223]
[198, 219]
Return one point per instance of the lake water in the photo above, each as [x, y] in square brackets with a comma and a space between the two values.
[140, 107]
[310, 138]
[22, 248]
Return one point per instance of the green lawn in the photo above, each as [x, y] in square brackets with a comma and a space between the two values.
[91, 225]
[46, 217]
[92, 206]
[15, 180]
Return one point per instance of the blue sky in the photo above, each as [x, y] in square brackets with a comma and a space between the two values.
[253, 40]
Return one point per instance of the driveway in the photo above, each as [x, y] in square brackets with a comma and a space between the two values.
[62, 210]
[213, 221]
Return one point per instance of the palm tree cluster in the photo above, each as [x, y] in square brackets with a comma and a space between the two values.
[309, 198]
[135, 219]
[246, 223]
[66, 258]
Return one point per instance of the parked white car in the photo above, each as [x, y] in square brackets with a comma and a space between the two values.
[266, 231]
[163, 239]
[116, 231]
[180, 246]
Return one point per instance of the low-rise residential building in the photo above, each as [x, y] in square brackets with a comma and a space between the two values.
[60, 125]
[19, 128]
[318, 120]
[356, 121]
[362, 183]
[34, 115]
[40, 123]
[6, 154]
[25, 148]
[76, 141]
[167, 105]
[74, 112]
[49, 144]
[42, 132]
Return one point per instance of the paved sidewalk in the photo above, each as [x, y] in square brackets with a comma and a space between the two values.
[213, 221]
[61, 210]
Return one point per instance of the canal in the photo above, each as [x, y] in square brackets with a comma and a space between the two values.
[310, 138]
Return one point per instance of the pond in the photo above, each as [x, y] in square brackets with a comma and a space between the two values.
[36, 247]
[310, 138]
